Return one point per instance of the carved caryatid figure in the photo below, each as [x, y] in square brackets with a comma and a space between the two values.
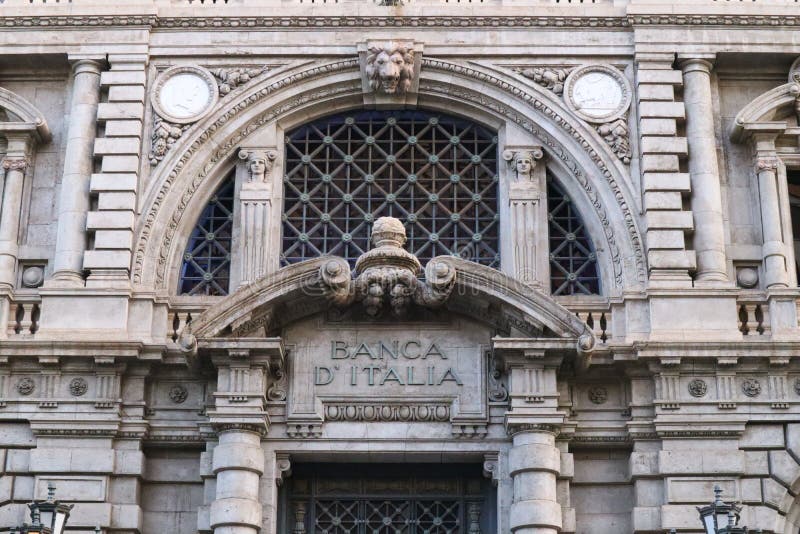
[259, 164]
[390, 67]
[387, 275]
[524, 161]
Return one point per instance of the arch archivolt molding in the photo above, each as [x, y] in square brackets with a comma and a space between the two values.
[205, 149]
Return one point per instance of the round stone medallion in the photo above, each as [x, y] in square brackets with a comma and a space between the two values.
[185, 94]
[597, 93]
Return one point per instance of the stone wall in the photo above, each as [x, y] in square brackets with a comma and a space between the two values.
[671, 128]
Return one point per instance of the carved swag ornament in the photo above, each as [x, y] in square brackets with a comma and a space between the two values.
[387, 275]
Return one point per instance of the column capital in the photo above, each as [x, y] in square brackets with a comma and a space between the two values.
[767, 162]
[16, 163]
[86, 62]
[696, 62]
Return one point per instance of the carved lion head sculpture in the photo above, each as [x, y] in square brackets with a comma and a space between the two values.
[390, 67]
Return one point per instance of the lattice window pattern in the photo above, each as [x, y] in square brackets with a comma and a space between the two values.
[325, 499]
[436, 173]
[573, 262]
[207, 258]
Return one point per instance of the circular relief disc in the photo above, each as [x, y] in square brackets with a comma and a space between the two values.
[597, 93]
[185, 94]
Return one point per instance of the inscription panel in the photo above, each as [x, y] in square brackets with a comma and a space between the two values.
[384, 371]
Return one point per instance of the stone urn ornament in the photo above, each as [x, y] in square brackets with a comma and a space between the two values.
[387, 275]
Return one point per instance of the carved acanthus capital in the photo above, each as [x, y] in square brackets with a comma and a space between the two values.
[767, 163]
[523, 161]
[20, 163]
[387, 275]
[260, 163]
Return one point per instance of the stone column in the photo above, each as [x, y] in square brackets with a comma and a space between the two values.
[773, 249]
[73, 201]
[709, 231]
[533, 463]
[238, 463]
[15, 164]
[245, 369]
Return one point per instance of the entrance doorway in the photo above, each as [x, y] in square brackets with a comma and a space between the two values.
[387, 499]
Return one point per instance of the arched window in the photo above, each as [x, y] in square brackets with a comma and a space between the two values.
[436, 173]
[573, 262]
[207, 258]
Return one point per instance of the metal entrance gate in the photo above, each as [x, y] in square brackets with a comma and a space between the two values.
[397, 500]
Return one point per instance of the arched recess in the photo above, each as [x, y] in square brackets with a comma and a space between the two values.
[590, 173]
[19, 110]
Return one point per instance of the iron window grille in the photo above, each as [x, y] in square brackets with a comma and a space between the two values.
[573, 261]
[322, 499]
[207, 258]
[436, 173]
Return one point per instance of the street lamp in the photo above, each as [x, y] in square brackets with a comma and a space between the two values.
[720, 517]
[47, 517]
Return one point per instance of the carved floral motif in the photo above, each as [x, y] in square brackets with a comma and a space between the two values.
[751, 387]
[26, 386]
[390, 67]
[548, 77]
[230, 79]
[698, 388]
[178, 394]
[15, 164]
[598, 394]
[616, 135]
[165, 134]
[78, 387]
[387, 275]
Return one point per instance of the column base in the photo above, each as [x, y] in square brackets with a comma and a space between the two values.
[65, 279]
[109, 278]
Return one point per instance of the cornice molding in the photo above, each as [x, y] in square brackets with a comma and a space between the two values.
[411, 21]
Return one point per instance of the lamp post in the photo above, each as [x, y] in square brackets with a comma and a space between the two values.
[48, 516]
[720, 517]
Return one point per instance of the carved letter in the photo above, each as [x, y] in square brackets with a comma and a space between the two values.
[320, 379]
[339, 350]
[453, 377]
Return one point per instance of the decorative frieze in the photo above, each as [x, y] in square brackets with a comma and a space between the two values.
[386, 412]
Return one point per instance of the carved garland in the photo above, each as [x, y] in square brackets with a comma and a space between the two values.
[218, 156]
[266, 117]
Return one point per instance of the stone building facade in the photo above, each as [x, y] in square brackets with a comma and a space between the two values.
[418, 266]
